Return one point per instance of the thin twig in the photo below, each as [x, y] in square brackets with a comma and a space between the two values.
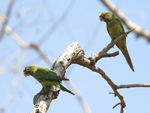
[24, 44]
[116, 105]
[132, 86]
[14, 35]
[111, 54]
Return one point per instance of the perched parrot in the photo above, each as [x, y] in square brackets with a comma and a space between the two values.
[115, 28]
[45, 76]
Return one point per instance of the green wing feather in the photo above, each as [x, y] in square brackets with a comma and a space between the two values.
[120, 24]
[45, 74]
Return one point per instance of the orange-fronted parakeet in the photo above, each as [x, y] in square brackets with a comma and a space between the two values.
[115, 28]
[45, 76]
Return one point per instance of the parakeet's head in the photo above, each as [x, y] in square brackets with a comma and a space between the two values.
[106, 16]
[29, 70]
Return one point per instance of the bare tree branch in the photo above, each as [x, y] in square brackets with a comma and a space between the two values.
[7, 18]
[42, 102]
[103, 53]
[91, 61]
[75, 54]
[24, 44]
[59, 64]
[14, 36]
[132, 86]
[111, 54]
[109, 81]
[130, 24]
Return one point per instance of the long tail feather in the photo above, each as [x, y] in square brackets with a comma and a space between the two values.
[66, 79]
[128, 59]
[65, 89]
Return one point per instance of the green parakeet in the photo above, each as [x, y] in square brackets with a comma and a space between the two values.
[115, 28]
[45, 76]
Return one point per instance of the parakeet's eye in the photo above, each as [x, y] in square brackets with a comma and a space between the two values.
[28, 69]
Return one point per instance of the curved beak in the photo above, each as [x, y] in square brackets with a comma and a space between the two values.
[100, 17]
[24, 72]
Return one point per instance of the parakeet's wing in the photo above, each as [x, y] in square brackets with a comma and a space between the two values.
[54, 75]
[120, 23]
[121, 26]
[47, 75]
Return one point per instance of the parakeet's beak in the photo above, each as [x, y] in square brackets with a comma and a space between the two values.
[101, 18]
[25, 73]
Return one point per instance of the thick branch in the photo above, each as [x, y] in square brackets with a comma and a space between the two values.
[130, 24]
[73, 52]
